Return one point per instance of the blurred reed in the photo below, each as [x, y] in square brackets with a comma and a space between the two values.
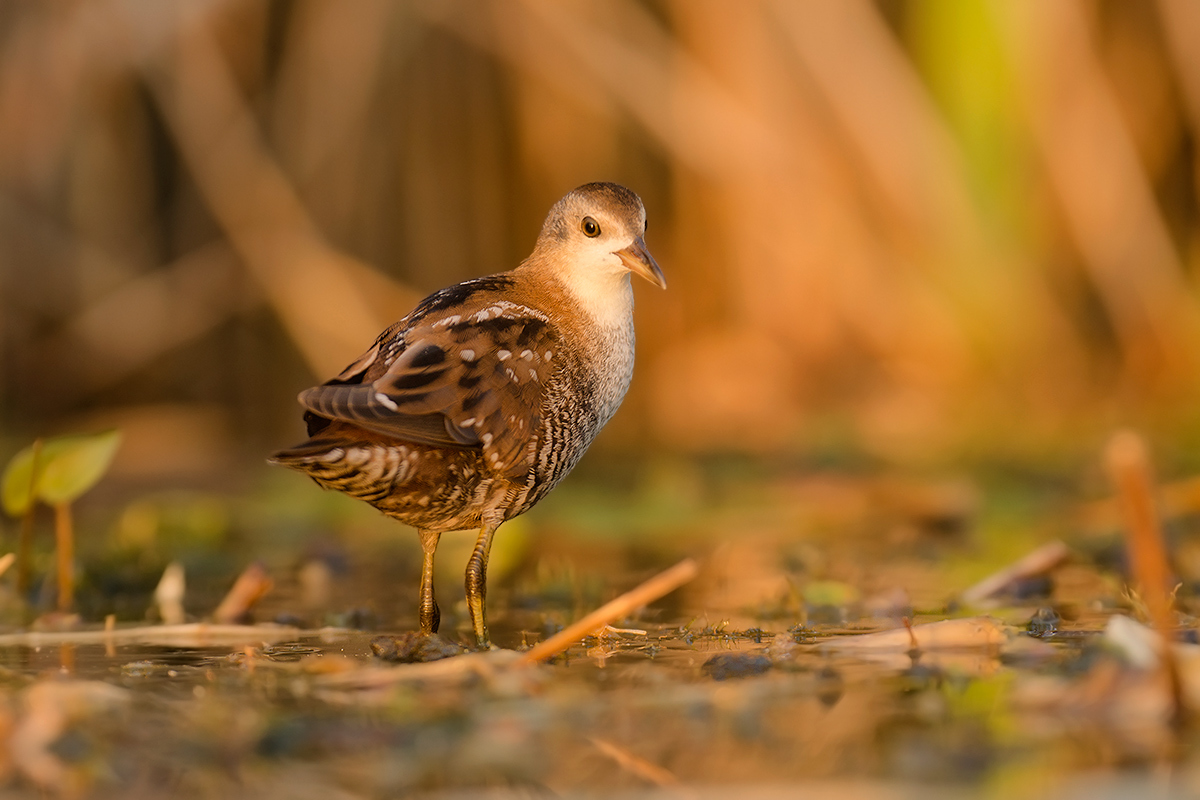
[912, 226]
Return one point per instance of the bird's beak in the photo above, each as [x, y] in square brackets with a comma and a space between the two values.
[639, 261]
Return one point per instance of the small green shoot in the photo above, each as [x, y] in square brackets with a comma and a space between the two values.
[56, 472]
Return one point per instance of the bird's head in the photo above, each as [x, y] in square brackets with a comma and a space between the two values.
[597, 231]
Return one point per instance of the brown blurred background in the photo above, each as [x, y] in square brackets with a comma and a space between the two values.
[914, 229]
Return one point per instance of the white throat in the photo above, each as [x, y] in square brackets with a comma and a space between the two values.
[607, 296]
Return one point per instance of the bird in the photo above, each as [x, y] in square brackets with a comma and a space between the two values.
[470, 409]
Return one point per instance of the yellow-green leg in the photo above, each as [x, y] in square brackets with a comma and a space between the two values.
[477, 582]
[427, 608]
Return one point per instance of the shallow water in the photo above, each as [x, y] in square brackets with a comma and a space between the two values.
[624, 713]
[738, 683]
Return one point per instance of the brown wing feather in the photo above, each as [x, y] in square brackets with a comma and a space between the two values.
[462, 381]
[360, 405]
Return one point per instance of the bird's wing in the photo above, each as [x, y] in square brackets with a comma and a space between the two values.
[470, 379]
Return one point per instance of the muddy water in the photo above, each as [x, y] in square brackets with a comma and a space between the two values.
[733, 686]
[680, 706]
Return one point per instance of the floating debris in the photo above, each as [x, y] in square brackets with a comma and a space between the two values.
[724, 666]
[1044, 622]
[414, 647]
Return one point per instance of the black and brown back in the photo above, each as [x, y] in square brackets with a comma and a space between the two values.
[479, 401]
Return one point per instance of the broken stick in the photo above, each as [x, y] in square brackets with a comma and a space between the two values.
[661, 584]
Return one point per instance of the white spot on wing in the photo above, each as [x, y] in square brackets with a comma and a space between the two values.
[505, 308]
[468, 355]
[384, 400]
[468, 422]
[527, 355]
[446, 322]
[503, 355]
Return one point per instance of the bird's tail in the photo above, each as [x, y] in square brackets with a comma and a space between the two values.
[300, 455]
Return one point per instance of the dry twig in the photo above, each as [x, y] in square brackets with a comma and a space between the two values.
[248, 589]
[951, 634]
[661, 584]
[196, 634]
[1040, 561]
[169, 594]
[651, 773]
[1128, 461]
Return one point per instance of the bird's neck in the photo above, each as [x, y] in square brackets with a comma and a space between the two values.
[606, 297]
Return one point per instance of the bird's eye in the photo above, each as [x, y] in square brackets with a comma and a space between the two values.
[590, 227]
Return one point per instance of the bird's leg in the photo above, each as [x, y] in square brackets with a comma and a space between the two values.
[427, 608]
[477, 581]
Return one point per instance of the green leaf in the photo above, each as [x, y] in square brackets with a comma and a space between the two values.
[830, 593]
[16, 485]
[73, 464]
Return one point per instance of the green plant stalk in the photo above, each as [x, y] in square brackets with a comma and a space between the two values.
[65, 546]
[25, 543]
